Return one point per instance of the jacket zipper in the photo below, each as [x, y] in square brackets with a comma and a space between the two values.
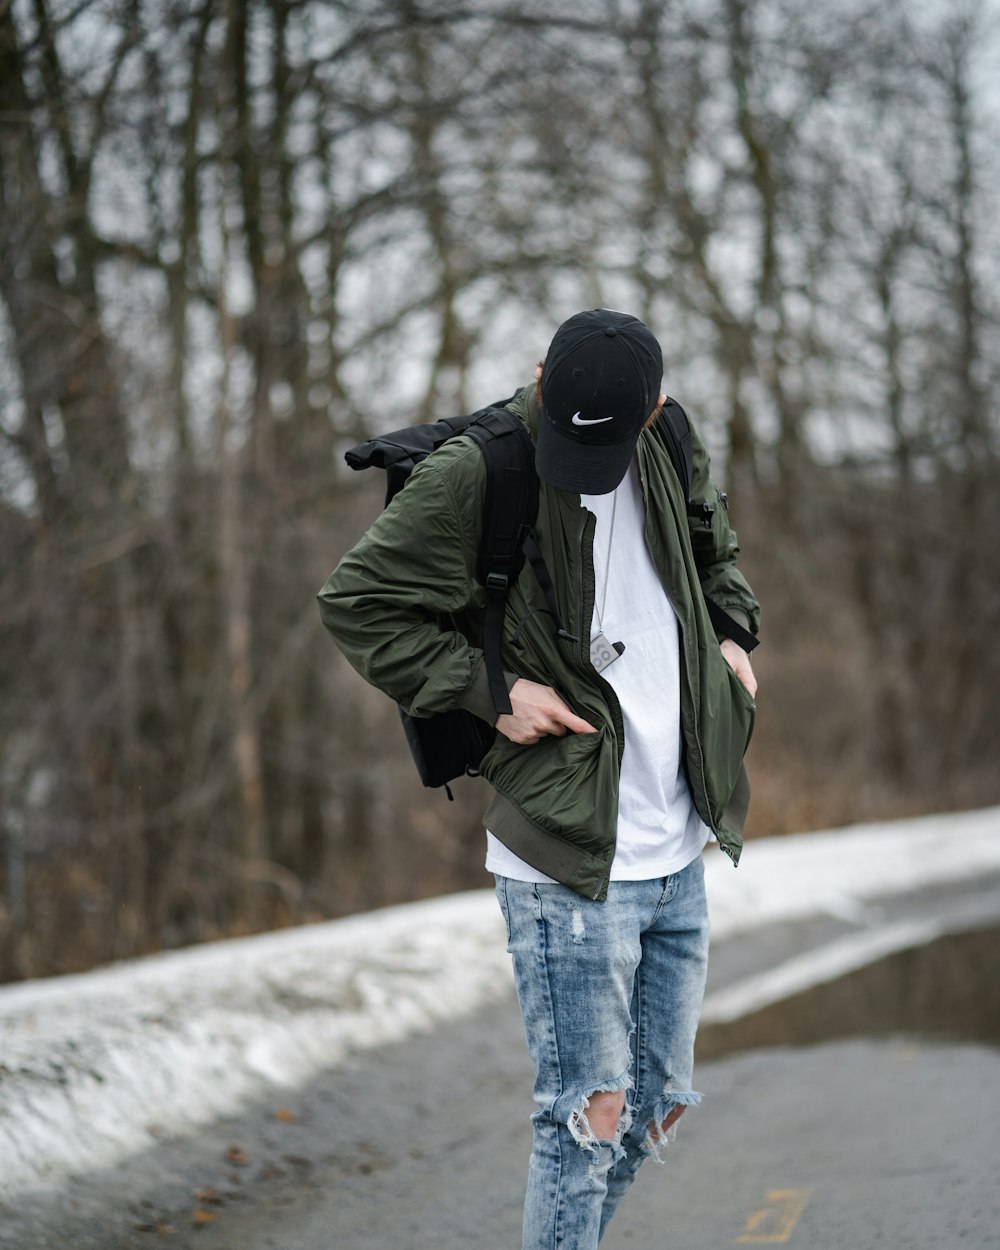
[583, 633]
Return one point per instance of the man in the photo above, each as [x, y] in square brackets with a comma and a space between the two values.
[622, 755]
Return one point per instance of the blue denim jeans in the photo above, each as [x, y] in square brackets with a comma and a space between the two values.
[611, 994]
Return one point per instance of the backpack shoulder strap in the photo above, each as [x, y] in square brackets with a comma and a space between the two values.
[510, 511]
[511, 491]
[675, 430]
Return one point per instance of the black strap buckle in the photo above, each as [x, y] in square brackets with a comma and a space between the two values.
[704, 512]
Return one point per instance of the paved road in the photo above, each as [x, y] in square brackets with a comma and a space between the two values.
[854, 1145]
[864, 1142]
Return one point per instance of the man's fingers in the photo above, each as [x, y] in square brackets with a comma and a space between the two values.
[561, 721]
[576, 724]
[739, 662]
[562, 718]
[539, 712]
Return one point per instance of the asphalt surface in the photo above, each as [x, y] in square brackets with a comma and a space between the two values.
[882, 1129]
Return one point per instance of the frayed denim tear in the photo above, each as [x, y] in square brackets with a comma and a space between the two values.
[579, 1126]
[655, 1147]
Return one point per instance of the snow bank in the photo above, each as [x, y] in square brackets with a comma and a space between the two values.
[95, 1067]
[837, 871]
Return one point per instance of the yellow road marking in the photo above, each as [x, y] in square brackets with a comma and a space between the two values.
[775, 1221]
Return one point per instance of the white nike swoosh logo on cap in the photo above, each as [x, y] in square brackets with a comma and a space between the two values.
[578, 420]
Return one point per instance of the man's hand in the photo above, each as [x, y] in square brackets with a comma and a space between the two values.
[537, 712]
[739, 662]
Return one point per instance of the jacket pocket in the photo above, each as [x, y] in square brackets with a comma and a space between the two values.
[729, 715]
[565, 785]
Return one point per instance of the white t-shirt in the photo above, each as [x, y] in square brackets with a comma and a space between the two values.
[659, 831]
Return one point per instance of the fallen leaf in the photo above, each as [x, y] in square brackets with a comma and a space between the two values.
[284, 1115]
[201, 1216]
[207, 1195]
[237, 1155]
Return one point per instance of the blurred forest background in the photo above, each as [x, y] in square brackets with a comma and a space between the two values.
[237, 237]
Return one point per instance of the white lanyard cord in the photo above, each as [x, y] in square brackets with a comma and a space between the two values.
[607, 565]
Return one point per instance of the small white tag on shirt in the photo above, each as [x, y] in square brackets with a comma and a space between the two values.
[603, 652]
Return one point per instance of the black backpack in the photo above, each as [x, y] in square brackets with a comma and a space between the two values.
[452, 744]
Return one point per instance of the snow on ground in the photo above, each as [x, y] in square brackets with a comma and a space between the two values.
[96, 1067]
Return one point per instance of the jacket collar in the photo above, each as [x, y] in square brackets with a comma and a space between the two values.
[533, 413]
[525, 405]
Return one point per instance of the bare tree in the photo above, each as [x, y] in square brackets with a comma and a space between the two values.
[238, 237]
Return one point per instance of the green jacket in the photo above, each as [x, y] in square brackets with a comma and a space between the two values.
[556, 801]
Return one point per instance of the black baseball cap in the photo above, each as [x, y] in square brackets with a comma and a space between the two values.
[600, 381]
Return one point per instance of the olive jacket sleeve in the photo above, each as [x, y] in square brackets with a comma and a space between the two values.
[715, 546]
[416, 561]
